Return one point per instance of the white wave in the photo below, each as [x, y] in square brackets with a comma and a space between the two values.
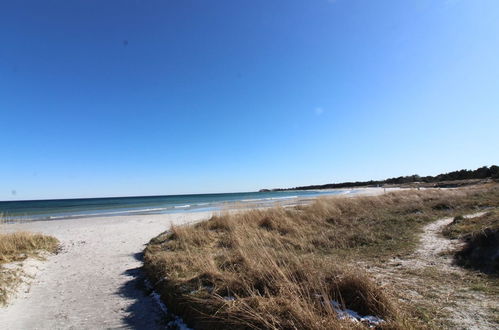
[286, 197]
[182, 206]
[268, 199]
[80, 215]
[252, 200]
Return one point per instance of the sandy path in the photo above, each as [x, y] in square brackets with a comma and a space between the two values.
[433, 244]
[470, 309]
[466, 308]
[95, 281]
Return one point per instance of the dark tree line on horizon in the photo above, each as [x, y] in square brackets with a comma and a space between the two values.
[483, 172]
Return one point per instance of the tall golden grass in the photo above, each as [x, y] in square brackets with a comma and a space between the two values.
[19, 245]
[281, 268]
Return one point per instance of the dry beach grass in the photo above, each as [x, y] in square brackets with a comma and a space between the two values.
[302, 267]
[481, 237]
[16, 247]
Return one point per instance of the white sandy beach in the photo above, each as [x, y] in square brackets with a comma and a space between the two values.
[95, 282]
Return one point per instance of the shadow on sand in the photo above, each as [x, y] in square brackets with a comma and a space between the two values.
[144, 313]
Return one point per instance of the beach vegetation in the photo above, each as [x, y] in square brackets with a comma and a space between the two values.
[18, 246]
[302, 267]
[445, 180]
[481, 237]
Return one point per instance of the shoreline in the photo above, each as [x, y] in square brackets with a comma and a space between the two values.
[285, 201]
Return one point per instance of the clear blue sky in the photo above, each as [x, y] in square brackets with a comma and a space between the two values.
[113, 98]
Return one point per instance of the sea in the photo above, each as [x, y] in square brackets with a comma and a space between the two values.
[53, 209]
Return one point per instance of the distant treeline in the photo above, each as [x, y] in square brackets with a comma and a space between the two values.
[480, 173]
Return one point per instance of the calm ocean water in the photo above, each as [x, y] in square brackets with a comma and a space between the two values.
[84, 207]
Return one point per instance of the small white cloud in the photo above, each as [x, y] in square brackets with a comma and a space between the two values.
[319, 111]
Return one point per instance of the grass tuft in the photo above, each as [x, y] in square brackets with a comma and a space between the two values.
[17, 247]
[481, 237]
